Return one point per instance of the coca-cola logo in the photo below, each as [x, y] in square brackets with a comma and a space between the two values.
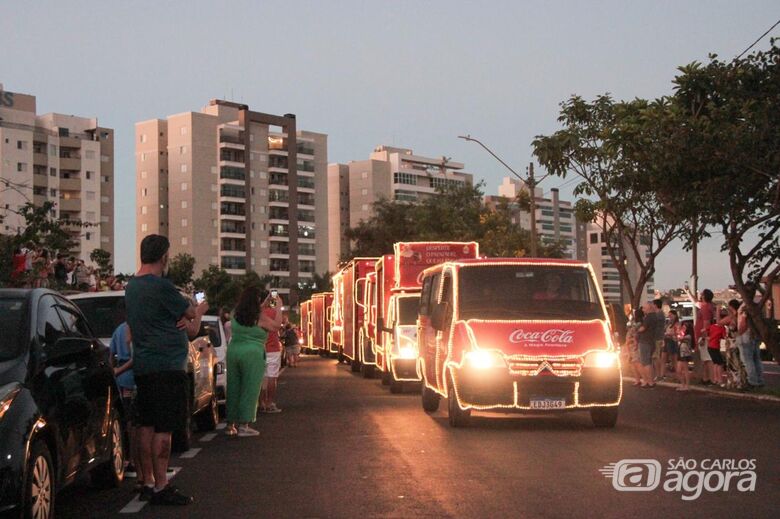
[551, 336]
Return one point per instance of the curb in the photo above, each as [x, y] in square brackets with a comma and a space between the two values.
[747, 396]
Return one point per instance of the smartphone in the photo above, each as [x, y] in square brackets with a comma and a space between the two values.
[274, 294]
[200, 297]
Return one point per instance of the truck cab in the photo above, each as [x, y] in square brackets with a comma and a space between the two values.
[516, 335]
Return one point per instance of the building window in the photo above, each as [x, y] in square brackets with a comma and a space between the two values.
[184, 240]
[21, 166]
[21, 145]
[182, 150]
[143, 138]
[184, 222]
[105, 179]
[90, 216]
[104, 199]
[52, 192]
[184, 204]
[183, 168]
[183, 130]
[53, 172]
[88, 236]
[184, 186]
[89, 175]
[143, 174]
[144, 227]
[144, 192]
[89, 154]
[364, 191]
[143, 157]
[143, 209]
[405, 178]
[594, 237]
[90, 195]
[53, 150]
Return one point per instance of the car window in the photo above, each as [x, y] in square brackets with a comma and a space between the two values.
[75, 325]
[425, 295]
[50, 327]
[103, 314]
[13, 327]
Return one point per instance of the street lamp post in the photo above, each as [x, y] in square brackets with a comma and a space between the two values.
[530, 181]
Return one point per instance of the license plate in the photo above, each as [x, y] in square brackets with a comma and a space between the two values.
[548, 403]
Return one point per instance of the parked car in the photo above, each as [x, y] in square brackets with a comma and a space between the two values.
[60, 411]
[212, 326]
[105, 311]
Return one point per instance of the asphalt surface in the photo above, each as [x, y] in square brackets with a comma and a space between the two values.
[345, 447]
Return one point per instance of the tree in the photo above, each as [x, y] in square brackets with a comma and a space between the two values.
[318, 283]
[102, 258]
[391, 222]
[223, 290]
[181, 269]
[620, 152]
[730, 126]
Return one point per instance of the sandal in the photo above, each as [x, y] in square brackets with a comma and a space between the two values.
[231, 430]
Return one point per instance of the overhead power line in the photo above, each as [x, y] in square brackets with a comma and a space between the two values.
[759, 39]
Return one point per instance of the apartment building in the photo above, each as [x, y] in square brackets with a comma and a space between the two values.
[389, 172]
[236, 188]
[65, 159]
[555, 219]
[607, 273]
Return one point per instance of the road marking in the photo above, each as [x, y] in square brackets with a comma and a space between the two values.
[190, 453]
[208, 437]
[135, 506]
[221, 426]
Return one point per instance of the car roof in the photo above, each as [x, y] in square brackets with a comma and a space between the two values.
[92, 295]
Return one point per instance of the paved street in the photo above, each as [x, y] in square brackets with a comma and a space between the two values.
[346, 447]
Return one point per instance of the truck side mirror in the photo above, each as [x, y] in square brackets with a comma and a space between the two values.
[438, 314]
[380, 323]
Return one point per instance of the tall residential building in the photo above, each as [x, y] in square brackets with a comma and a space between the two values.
[607, 273]
[390, 173]
[555, 219]
[65, 159]
[236, 188]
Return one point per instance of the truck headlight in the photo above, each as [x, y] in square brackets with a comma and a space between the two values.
[601, 359]
[485, 359]
[407, 351]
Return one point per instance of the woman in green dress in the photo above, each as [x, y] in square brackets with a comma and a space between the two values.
[246, 360]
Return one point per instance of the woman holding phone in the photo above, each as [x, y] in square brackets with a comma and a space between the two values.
[246, 360]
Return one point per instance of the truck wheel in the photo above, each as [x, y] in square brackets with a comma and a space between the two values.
[604, 416]
[367, 370]
[458, 417]
[430, 399]
[396, 386]
[111, 473]
[39, 484]
[208, 418]
[386, 378]
[354, 366]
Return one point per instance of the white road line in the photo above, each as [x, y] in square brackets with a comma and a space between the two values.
[208, 437]
[135, 506]
[221, 426]
[190, 453]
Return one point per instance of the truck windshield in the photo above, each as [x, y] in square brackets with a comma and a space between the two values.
[407, 310]
[13, 319]
[527, 292]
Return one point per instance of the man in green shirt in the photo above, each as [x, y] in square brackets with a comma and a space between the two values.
[158, 316]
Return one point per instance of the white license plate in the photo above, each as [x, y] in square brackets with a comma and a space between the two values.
[548, 403]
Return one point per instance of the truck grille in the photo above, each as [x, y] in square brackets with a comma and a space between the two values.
[560, 368]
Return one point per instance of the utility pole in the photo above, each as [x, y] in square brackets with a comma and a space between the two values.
[532, 188]
[530, 182]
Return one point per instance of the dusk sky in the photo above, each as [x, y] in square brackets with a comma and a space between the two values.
[412, 74]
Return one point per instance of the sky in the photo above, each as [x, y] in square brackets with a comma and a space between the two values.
[412, 74]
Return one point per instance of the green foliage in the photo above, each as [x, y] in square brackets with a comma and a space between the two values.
[102, 258]
[319, 283]
[222, 290]
[456, 213]
[181, 269]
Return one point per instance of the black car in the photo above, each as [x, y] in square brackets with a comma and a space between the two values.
[60, 414]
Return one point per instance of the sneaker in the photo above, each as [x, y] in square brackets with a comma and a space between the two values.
[145, 493]
[130, 471]
[273, 409]
[171, 496]
[245, 431]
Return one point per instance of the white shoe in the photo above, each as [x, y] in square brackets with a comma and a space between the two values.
[245, 430]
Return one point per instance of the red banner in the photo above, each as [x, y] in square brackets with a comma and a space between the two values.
[411, 258]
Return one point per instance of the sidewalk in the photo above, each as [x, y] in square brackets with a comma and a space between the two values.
[717, 391]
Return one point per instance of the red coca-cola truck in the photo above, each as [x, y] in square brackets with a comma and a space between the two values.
[306, 327]
[349, 313]
[517, 335]
[395, 301]
[319, 324]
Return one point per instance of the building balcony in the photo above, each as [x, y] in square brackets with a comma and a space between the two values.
[70, 184]
[70, 163]
[70, 204]
[40, 159]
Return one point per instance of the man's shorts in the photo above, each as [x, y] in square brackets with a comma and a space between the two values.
[128, 402]
[273, 362]
[646, 353]
[161, 400]
[659, 346]
[716, 356]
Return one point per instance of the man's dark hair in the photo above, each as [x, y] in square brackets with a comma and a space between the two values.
[658, 303]
[735, 304]
[707, 295]
[153, 248]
